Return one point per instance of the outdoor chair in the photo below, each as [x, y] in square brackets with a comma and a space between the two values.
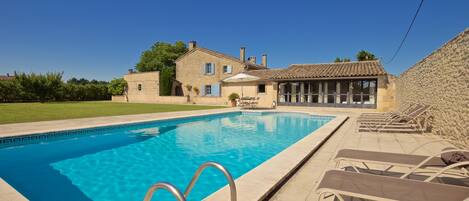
[248, 102]
[367, 117]
[415, 121]
[436, 162]
[403, 110]
[376, 187]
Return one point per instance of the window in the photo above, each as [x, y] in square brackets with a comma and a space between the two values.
[261, 88]
[208, 90]
[209, 69]
[227, 69]
[139, 87]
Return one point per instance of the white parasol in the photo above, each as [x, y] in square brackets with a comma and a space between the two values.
[241, 77]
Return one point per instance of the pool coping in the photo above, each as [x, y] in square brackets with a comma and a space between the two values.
[107, 121]
[8, 193]
[262, 181]
[256, 184]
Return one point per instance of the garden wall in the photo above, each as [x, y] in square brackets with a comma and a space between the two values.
[442, 80]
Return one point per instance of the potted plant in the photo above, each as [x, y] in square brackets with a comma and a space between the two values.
[232, 97]
[196, 90]
[189, 89]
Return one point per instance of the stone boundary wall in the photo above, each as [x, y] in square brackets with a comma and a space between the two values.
[120, 98]
[175, 100]
[442, 80]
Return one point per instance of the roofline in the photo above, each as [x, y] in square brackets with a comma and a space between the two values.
[305, 64]
[208, 51]
[460, 34]
[226, 56]
[328, 78]
[154, 71]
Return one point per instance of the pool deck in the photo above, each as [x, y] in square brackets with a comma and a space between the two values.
[300, 186]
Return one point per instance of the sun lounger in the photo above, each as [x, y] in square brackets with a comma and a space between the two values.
[412, 161]
[376, 187]
[391, 115]
[404, 110]
[411, 122]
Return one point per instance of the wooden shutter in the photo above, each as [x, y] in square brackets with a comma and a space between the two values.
[213, 68]
[216, 89]
[230, 69]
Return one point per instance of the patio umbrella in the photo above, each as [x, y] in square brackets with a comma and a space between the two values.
[241, 77]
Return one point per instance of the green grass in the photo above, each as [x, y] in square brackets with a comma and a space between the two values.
[30, 112]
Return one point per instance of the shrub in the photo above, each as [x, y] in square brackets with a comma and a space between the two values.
[117, 86]
[233, 96]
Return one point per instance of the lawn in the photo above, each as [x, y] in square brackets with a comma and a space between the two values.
[29, 112]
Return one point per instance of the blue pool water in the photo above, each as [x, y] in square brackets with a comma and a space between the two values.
[121, 162]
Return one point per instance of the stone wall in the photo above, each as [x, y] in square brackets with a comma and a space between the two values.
[386, 93]
[142, 87]
[250, 89]
[120, 98]
[442, 80]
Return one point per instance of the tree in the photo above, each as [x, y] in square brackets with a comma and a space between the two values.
[166, 81]
[364, 55]
[161, 57]
[40, 87]
[10, 91]
[117, 86]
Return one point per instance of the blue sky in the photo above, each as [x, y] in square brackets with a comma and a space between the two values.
[102, 39]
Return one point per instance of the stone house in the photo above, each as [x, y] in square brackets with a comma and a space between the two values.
[348, 84]
[205, 69]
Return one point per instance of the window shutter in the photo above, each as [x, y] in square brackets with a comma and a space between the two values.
[230, 69]
[202, 90]
[213, 68]
[203, 69]
[216, 89]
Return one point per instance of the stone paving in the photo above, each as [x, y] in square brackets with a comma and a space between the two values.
[301, 186]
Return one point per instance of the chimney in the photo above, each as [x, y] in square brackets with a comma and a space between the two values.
[192, 44]
[264, 60]
[252, 59]
[242, 54]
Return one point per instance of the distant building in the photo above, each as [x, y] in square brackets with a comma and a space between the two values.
[6, 77]
[349, 84]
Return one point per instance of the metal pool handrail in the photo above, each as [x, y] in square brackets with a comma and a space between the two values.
[219, 167]
[167, 186]
[182, 197]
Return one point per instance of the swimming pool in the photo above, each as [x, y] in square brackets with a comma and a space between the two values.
[122, 162]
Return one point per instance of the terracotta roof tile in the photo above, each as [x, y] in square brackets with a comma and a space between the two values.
[345, 69]
[264, 74]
